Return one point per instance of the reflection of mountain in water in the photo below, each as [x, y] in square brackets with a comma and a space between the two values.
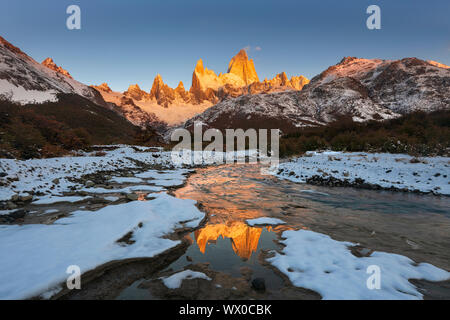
[244, 239]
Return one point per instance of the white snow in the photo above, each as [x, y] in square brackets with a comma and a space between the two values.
[22, 96]
[430, 174]
[315, 261]
[53, 199]
[45, 83]
[164, 175]
[264, 221]
[165, 178]
[39, 174]
[175, 280]
[168, 183]
[51, 211]
[123, 190]
[126, 180]
[111, 198]
[4, 212]
[36, 256]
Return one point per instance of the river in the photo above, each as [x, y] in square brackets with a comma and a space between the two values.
[417, 226]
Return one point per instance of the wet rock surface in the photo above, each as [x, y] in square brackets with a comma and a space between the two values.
[222, 286]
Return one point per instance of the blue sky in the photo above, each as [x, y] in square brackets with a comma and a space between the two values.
[125, 42]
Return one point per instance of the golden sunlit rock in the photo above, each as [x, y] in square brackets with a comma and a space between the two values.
[244, 68]
[240, 79]
[244, 239]
[135, 92]
[438, 64]
[207, 89]
[52, 65]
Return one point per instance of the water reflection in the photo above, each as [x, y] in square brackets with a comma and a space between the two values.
[244, 239]
[385, 221]
[230, 194]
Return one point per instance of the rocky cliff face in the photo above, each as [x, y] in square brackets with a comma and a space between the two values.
[244, 68]
[23, 80]
[240, 79]
[207, 89]
[365, 89]
[123, 104]
[49, 63]
[401, 86]
[437, 64]
[135, 93]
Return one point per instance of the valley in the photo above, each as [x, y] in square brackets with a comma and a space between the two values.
[228, 245]
[90, 180]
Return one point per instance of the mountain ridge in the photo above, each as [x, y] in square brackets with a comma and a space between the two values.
[206, 90]
[364, 89]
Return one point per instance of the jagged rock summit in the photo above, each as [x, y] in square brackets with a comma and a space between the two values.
[241, 78]
[364, 89]
[244, 68]
[49, 63]
[23, 80]
[207, 89]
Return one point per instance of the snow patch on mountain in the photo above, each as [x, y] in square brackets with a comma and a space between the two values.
[23, 80]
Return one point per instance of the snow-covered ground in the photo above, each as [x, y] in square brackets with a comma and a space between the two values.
[40, 174]
[55, 176]
[264, 221]
[39, 254]
[315, 261]
[175, 280]
[427, 174]
[36, 256]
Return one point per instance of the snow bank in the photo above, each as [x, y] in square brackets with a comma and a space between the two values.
[175, 280]
[40, 174]
[264, 221]
[23, 96]
[35, 257]
[315, 261]
[130, 189]
[126, 180]
[55, 176]
[163, 175]
[53, 199]
[428, 174]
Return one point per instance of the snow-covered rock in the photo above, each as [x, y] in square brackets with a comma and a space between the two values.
[175, 280]
[399, 171]
[317, 262]
[23, 80]
[36, 256]
[365, 89]
[41, 174]
[264, 221]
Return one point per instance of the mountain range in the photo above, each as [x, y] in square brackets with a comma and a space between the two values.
[174, 106]
[365, 89]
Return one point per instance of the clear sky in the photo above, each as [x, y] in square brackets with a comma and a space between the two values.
[125, 42]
